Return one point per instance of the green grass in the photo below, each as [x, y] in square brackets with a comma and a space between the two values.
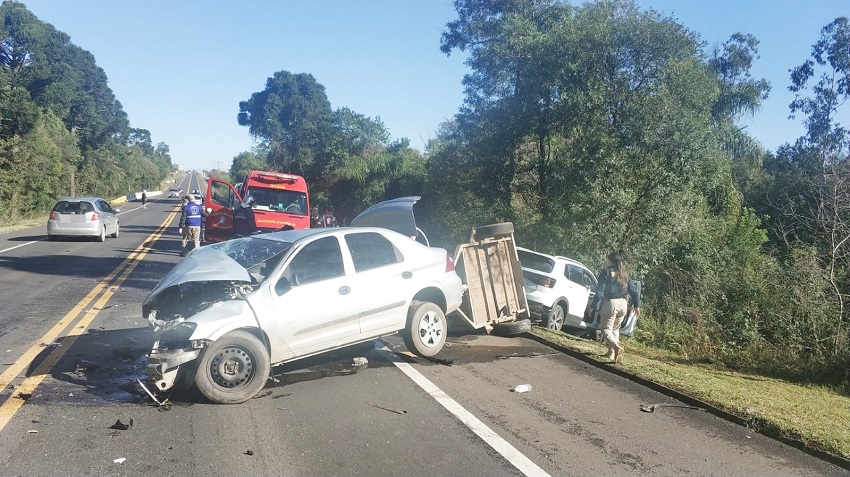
[815, 416]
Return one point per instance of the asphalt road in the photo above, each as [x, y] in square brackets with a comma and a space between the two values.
[73, 342]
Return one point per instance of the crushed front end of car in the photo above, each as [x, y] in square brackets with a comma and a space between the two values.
[200, 296]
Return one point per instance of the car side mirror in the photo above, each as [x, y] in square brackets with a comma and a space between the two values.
[116, 210]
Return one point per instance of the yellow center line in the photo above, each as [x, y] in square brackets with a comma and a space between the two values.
[30, 383]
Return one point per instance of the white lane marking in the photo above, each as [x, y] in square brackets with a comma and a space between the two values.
[19, 246]
[503, 447]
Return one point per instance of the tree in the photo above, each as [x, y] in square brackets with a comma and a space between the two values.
[291, 116]
[245, 162]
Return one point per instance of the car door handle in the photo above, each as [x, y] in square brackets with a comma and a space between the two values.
[344, 290]
[406, 275]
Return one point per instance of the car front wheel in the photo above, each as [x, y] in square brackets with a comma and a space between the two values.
[426, 329]
[555, 319]
[233, 369]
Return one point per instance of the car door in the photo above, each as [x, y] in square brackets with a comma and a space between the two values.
[110, 220]
[223, 199]
[577, 293]
[383, 282]
[312, 300]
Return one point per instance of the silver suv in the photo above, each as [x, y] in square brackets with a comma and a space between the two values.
[558, 289]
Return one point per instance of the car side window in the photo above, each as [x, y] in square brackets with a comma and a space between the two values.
[318, 260]
[588, 280]
[371, 250]
[575, 274]
[104, 206]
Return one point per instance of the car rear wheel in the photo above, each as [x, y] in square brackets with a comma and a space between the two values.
[426, 329]
[555, 319]
[102, 236]
[233, 369]
[115, 234]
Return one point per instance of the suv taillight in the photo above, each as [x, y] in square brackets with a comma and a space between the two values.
[450, 264]
[542, 281]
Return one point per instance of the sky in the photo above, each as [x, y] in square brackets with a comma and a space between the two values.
[180, 68]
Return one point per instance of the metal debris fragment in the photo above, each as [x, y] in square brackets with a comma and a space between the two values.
[121, 426]
[387, 409]
[653, 407]
[149, 393]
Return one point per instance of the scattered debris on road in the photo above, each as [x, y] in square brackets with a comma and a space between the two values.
[120, 460]
[360, 361]
[653, 407]
[522, 388]
[387, 409]
[121, 426]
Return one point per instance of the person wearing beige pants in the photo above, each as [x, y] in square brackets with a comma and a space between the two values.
[613, 287]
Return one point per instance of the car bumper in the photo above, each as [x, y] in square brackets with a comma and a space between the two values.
[88, 229]
[163, 365]
[453, 290]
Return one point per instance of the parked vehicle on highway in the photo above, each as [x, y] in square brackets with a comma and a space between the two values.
[279, 200]
[231, 310]
[83, 217]
[174, 192]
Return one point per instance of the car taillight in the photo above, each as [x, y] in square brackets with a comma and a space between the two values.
[95, 216]
[542, 281]
[52, 215]
[450, 264]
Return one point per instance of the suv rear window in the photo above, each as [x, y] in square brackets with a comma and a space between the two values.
[536, 261]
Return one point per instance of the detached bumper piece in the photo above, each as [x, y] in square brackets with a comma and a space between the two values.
[163, 365]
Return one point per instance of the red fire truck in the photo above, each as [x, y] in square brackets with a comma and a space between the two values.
[277, 199]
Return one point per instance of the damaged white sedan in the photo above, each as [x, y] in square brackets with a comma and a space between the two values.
[230, 311]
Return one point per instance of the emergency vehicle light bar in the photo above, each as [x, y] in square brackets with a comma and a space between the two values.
[275, 175]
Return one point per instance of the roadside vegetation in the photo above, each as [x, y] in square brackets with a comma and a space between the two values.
[593, 128]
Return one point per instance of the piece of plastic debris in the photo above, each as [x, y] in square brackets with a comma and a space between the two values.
[120, 460]
[149, 393]
[249, 452]
[522, 388]
[121, 426]
[360, 361]
[32, 431]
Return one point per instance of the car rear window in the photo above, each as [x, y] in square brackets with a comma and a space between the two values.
[536, 261]
[72, 207]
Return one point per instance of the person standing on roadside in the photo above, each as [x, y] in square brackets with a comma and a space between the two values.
[614, 287]
[190, 224]
[144, 199]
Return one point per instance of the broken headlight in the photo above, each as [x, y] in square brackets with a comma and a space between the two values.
[177, 337]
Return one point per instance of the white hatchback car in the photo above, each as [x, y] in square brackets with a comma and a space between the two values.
[229, 311]
[558, 289]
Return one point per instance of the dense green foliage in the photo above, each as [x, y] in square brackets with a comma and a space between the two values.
[62, 131]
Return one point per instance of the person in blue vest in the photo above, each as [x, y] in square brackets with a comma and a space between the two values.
[190, 223]
[616, 289]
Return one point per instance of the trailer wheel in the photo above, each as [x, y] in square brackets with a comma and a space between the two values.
[494, 230]
[426, 329]
[512, 328]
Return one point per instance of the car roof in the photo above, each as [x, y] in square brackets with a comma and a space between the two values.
[79, 199]
[555, 257]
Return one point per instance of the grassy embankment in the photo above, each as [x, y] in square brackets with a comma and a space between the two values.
[814, 416]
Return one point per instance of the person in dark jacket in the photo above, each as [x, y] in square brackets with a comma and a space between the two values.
[614, 288]
[328, 219]
[144, 199]
[190, 223]
[244, 222]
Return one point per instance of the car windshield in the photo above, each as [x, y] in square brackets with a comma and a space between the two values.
[279, 199]
[258, 255]
[536, 261]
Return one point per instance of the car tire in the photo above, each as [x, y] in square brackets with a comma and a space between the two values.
[555, 318]
[512, 328]
[494, 230]
[426, 329]
[117, 231]
[102, 236]
[233, 369]
[51, 238]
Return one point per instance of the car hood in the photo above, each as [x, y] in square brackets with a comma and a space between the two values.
[394, 214]
[202, 265]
